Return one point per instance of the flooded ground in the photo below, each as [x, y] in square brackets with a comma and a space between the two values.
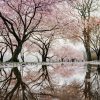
[50, 81]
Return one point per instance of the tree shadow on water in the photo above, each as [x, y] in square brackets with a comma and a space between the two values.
[13, 87]
[91, 86]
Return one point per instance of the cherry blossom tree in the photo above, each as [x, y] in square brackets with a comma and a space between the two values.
[68, 53]
[43, 42]
[85, 9]
[21, 19]
[27, 15]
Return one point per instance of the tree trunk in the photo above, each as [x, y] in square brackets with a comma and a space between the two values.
[98, 55]
[16, 53]
[87, 44]
[43, 58]
[88, 53]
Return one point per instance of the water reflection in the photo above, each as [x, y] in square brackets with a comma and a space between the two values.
[48, 82]
[92, 83]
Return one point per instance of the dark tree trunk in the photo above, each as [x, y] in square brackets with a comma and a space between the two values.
[87, 44]
[44, 55]
[44, 58]
[16, 53]
[98, 58]
[1, 58]
[88, 53]
[98, 55]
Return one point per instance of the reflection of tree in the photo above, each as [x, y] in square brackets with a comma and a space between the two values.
[87, 88]
[92, 84]
[96, 83]
[13, 86]
[42, 79]
[13, 83]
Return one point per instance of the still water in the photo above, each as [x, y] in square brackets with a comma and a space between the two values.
[52, 81]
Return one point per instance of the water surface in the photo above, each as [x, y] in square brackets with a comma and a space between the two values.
[53, 81]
